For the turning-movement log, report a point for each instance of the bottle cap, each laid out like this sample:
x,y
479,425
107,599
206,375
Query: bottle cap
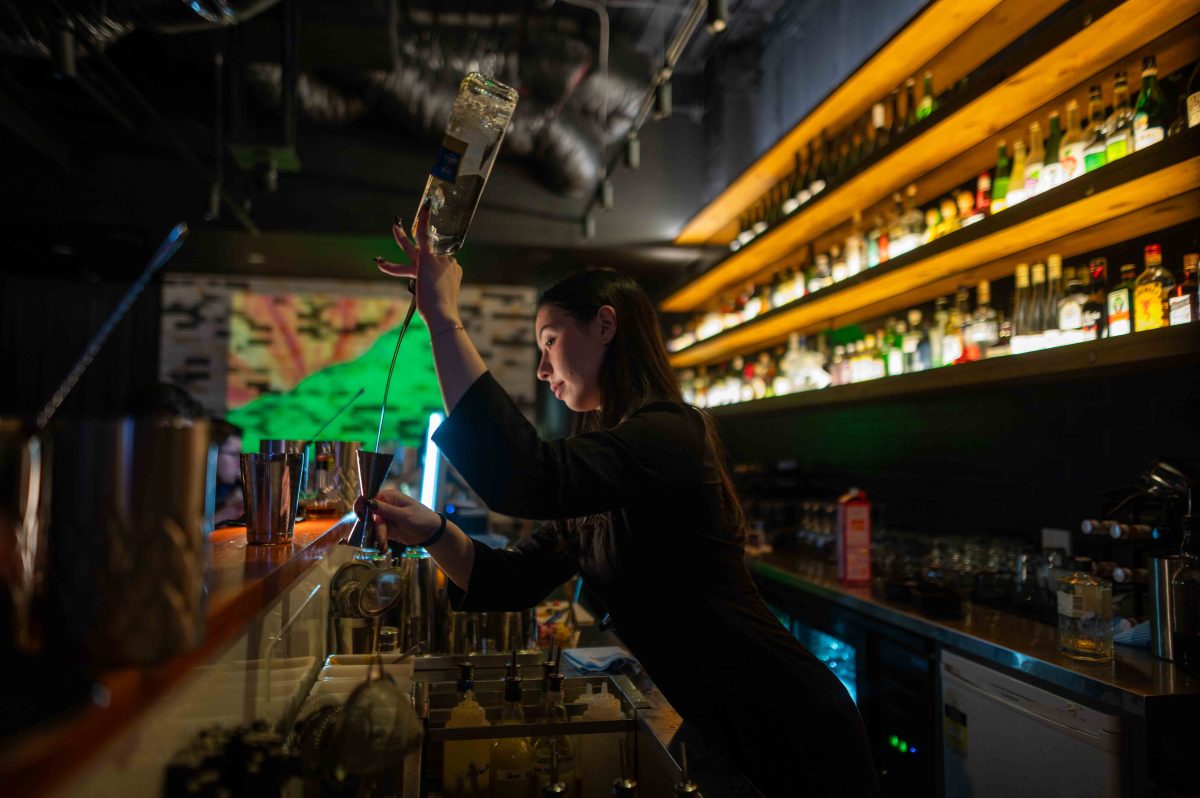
x,y
1153,251
604,706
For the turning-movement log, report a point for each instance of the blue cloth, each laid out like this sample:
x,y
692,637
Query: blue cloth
x,y
601,659
1137,636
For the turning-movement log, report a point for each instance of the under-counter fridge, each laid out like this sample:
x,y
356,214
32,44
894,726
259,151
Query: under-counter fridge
x,y
1004,737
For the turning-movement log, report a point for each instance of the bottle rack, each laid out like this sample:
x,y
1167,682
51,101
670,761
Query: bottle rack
x,y
1144,191
1149,190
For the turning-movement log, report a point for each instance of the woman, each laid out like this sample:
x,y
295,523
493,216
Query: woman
x,y
644,509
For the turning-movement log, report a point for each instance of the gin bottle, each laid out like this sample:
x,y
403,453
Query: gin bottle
x,y
1085,614
477,125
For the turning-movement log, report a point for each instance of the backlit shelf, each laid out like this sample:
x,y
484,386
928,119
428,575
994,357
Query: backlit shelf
x,y
1055,59
1148,190
1149,349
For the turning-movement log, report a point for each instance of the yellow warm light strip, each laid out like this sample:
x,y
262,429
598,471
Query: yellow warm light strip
x,y
937,26
1114,35
1173,181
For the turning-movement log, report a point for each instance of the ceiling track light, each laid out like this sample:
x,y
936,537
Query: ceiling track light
x,y
633,152
606,194
589,226
662,100
718,16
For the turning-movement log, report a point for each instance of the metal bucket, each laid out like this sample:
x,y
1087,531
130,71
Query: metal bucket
x,y
130,518
24,512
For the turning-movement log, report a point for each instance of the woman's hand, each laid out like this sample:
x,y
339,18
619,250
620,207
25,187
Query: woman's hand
x,y
400,518
438,276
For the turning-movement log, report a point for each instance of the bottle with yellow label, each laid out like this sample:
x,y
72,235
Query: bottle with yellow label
x,y
1152,292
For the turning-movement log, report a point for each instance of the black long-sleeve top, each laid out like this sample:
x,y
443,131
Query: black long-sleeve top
x,y
669,568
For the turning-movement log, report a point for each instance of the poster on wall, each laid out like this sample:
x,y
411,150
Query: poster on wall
x,y
279,357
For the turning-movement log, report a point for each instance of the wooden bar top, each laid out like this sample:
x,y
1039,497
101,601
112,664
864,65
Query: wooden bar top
x,y
243,579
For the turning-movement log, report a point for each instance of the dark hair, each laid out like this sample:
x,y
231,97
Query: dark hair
x,y
163,399
636,369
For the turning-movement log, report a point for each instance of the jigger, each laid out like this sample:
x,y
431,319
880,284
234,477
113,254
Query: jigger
x,y
373,468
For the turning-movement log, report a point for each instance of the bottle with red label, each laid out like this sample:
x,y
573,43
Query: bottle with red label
x,y
854,538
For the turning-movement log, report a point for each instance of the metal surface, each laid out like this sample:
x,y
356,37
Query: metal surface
x,y
24,512
279,446
1023,645
272,493
129,537
1162,604
373,469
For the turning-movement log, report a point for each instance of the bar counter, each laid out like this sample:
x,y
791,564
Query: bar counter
x,y
1134,677
242,580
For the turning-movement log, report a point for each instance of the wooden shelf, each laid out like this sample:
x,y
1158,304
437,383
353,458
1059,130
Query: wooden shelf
x,y
1145,191
948,37
1043,66
1154,348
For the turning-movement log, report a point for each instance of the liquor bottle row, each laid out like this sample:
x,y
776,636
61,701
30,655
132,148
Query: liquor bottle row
x,y
1052,306
1037,165
830,157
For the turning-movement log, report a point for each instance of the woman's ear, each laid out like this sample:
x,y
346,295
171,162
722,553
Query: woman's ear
x,y
606,318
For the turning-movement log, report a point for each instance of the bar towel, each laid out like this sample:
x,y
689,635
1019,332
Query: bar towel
x,y
602,659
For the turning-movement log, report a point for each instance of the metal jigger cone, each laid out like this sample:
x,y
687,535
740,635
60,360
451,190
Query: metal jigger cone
x,y
373,469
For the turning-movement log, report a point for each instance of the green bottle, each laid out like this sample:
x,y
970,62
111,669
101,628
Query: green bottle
x,y
927,105
1000,181
1150,115
1119,141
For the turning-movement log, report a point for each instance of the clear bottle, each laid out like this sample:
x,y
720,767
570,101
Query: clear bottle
x,y
1016,186
1095,150
1085,614
1119,139
937,332
547,746
511,761
459,756
892,348
1070,153
1119,302
822,274
1035,161
917,356
952,340
1152,293
1070,308
1150,115
472,140
838,269
985,322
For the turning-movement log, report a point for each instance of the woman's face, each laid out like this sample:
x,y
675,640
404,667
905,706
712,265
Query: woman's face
x,y
572,353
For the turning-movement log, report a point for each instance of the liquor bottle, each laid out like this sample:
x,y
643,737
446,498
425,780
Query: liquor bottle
x,y
458,757
554,746
1016,185
952,339
985,325
837,366
1035,160
1022,325
1037,301
781,293
1183,301
855,247
1052,170
964,201
478,121
932,228
1150,115
950,220
896,122
799,287
1054,293
792,201
1119,302
1095,151
917,356
1070,153
1119,139
912,223
821,276
879,122
1094,320
927,105
820,175
1000,181
983,196
511,765
937,332
1085,614
910,104
1152,293
893,348
838,269
1070,308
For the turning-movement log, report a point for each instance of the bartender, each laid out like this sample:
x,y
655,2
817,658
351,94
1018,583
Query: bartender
x,y
640,503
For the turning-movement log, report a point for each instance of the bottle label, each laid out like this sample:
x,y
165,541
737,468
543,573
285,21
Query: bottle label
x,y
1033,177
1183,310
1118,312
1118,147
1070,316
449,159
1193,109
1070,605
1148,307
1071,160
1090,322
1143,134
1094,159
877,113
951,349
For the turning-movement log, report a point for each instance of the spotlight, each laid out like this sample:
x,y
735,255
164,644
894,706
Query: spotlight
x,y
662,100
633,153
606,194
718,16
